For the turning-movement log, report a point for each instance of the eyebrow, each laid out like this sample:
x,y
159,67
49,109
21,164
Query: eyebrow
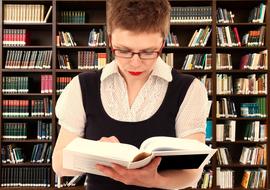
x,y
127,48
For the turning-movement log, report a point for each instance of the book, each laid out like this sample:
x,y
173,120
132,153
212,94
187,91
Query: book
x,y
75,180
83,154
47,15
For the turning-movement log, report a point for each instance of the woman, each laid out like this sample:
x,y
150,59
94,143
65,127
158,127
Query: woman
x,y
134,97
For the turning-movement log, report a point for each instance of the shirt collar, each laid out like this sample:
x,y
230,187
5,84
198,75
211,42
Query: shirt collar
x,y
161,70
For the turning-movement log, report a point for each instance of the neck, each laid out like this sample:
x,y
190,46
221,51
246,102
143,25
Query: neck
x,y
133,88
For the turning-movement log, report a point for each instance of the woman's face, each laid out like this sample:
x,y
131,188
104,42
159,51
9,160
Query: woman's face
x,y
124,43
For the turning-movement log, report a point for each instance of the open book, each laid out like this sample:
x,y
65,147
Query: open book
x,y
83,154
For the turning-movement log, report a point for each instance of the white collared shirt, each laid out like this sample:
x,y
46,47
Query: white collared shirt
x,y
191,117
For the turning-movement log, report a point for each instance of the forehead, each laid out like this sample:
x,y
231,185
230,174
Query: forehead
x,y
136,40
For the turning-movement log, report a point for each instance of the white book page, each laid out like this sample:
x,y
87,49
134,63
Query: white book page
x,y
116,151
170,144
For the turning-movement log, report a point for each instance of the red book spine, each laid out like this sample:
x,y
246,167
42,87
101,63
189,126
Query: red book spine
x,y
237,36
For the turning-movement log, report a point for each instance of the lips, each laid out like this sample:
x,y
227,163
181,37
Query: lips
x,y
135,73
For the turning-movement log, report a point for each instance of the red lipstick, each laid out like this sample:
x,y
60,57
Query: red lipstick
x,y
135,73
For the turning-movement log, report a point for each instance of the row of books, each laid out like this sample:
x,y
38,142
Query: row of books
x,y
41,153
197,61
228,37
254,155
206,180
41,108
224,178
225,108
17,131
15,37
91,60
20,108
226,131
250,61
254,61
256,15
257,109
249,156
29,13
254,37
254,178
171,40
252,84
72,16
96,39
223,156
61,83
64,62
15,84
200,37
11,154
26,13
36,59
14,131
224,16
253,131
44,130
46,84
203,14
85,60
253,109
224,84
198,14
65,39
25,177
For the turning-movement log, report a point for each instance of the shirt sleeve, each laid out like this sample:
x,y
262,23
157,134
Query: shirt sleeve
x,y
69,108
193,112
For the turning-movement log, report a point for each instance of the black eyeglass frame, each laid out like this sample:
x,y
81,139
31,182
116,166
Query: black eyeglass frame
x,y
140,54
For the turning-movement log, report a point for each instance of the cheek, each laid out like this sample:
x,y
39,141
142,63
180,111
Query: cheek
x,y
150,64
122,63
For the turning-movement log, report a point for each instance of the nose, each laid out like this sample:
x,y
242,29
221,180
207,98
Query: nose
x,y
135,60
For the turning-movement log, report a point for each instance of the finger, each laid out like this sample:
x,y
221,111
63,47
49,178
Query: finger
x,y
109,172
154,163
112,139
120,169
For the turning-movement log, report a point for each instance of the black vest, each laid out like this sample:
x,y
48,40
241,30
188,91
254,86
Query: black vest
x,y
100,124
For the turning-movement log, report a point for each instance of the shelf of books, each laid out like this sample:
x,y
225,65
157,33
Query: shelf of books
x,y
26,94
224,43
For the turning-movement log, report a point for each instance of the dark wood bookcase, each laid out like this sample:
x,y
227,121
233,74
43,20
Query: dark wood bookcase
x,y
43,37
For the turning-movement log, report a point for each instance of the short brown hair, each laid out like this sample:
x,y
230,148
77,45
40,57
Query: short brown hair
x,y
139,15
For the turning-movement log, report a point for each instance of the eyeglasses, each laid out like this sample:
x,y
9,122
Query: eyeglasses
x,y
142,55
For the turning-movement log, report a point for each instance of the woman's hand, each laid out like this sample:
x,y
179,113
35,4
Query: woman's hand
x,y
146,176
112,139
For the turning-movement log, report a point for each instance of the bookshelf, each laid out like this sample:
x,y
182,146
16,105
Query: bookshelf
x,y
42,37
